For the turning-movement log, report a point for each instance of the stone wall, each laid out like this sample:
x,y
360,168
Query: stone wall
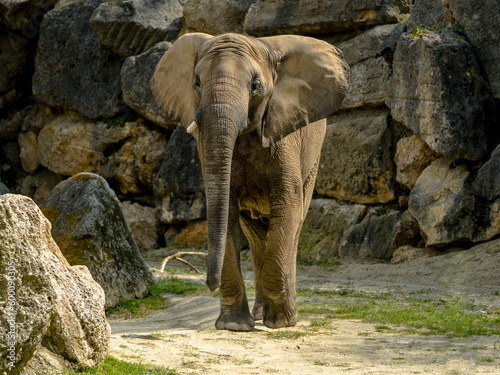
x,y
410,159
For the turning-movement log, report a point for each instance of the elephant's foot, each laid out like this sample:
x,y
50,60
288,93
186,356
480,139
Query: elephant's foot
x,y
257,310
235,319
280,316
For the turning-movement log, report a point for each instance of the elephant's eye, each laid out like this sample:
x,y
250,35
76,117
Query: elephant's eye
x,y
197,83
256,87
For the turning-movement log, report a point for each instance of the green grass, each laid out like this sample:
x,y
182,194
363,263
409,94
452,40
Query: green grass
x,y
154,299
174,285
452,318
113,366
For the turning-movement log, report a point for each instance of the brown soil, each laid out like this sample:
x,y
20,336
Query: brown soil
x,y
182,336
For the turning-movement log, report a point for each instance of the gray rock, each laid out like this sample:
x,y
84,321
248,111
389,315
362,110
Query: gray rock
x,y
179,184
487,182
90,229
429,14
482,28
409,253
11,125
378,41
39,185
216,17
3,189
73,69
131,27
487,221
17,14
135,75
411,159
137,162
144,223
379,235
356,163
28,143
129,152
14,60
321,17
442,203
324,228
72,144
367,84
434,74
58,309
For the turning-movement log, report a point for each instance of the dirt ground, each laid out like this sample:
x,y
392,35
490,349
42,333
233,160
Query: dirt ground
x,y
182,336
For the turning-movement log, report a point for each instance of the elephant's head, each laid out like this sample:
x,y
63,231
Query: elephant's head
x,y
227,85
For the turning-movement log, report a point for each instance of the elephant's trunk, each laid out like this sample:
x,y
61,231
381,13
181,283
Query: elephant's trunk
x,y
218,140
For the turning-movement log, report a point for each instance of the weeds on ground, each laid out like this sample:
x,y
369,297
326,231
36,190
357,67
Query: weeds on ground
x,y
154,298
453,318
113,366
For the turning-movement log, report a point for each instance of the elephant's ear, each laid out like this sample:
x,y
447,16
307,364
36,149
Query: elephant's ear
x,y
313,79
172,82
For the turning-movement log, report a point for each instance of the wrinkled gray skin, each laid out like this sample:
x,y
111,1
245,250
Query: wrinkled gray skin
x,y
259,106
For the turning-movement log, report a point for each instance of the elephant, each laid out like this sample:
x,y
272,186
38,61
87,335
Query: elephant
x,y
257,107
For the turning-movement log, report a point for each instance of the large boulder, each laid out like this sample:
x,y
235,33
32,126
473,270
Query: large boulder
x,y
481,25
47,307
380,234
356,163
137,162
378,41
15,65
412,157
434,74
135,75
70,144
487,182
144,223
442,203
131,27
179,184
429,14
38,185
17,14
129,152
89,227
367,83
321,17
73,69
216,17
324,228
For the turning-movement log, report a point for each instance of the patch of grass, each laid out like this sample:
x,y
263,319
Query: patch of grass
x,y
418,32
486,359
178,286
113,366
286,335
452,318
154,300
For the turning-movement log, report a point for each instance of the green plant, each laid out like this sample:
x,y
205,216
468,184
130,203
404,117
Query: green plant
x,y
418,32
154,300
113,366
458,28
453,318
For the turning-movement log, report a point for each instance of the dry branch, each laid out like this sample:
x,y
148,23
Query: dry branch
x,y
177,256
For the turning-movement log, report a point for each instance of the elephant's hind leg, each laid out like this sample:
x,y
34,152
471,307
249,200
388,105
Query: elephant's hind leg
x,y
256,233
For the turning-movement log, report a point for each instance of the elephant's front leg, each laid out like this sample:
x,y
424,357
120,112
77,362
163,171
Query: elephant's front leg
x,y
235,314
278,271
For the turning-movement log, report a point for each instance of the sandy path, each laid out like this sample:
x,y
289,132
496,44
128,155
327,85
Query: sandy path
x,y
182,336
